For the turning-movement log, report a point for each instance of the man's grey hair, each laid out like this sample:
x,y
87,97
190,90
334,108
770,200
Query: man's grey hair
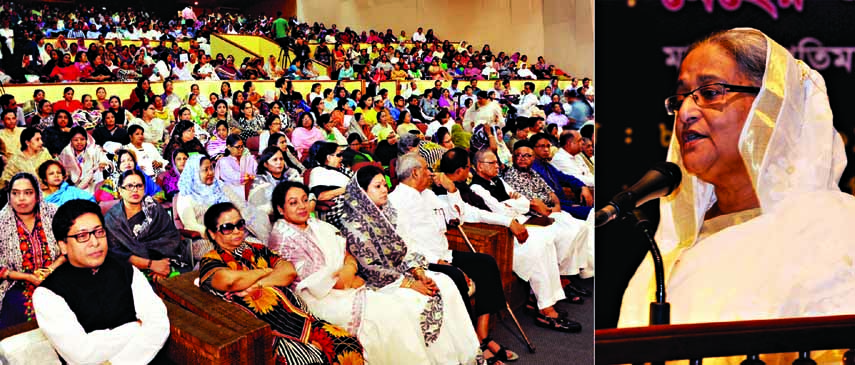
x,y
407,163
479,156
746,46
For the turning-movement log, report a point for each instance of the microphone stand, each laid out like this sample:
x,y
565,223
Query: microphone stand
x,y
660,310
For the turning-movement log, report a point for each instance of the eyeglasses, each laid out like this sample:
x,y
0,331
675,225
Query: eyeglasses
x,y
228,228
85,236
133,187
237,147
706,95
524,155
338,154
490,162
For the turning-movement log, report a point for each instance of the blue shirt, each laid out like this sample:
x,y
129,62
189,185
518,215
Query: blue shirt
x,y
557,180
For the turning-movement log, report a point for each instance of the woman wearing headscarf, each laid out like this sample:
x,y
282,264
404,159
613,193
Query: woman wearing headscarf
x,y
143,233
368,225
29,250
198,190
83,160
168,180
745,212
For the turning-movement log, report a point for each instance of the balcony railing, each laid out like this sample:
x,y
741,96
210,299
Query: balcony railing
x,y
697,341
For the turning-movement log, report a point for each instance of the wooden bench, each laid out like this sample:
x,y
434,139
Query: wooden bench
x,y
241,337
192,339
498,242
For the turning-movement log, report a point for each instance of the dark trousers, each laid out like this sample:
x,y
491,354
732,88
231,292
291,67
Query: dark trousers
x,y
482,269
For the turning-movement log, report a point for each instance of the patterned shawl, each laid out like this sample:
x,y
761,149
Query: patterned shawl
x,y
371,238
382,254
11,257
83,168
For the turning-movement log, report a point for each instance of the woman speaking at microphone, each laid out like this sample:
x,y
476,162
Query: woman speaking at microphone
x,y
744,237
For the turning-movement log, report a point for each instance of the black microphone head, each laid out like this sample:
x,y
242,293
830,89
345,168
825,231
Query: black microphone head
x,y
670,169
662,179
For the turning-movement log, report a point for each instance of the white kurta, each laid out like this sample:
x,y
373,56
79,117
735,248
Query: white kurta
x,y
386,321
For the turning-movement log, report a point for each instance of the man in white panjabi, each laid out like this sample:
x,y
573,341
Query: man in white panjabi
x,y
741,237
574,243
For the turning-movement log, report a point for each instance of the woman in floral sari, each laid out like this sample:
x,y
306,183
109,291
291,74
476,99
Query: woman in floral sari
x,y
29,251
255,278
397,310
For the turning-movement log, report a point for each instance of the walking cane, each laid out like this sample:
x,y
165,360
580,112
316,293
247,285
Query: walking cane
x,y
531,348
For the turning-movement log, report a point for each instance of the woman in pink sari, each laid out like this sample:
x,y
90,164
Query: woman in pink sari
x,y
305,135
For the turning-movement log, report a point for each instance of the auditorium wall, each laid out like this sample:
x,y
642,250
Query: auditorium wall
x,y
560,30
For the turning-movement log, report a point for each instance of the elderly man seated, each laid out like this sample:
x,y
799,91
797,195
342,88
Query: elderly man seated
x,y
96,309
535,254
575,243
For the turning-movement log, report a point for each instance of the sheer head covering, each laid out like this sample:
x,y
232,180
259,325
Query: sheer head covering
x,y
372,240
790,111
192,186
11,255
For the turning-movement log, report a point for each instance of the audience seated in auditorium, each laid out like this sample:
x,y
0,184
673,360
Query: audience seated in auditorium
x,y
153,129
557,180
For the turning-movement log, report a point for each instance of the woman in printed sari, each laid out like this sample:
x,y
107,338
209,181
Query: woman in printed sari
x,y
57,190
142,232
83,160
29,251
252,276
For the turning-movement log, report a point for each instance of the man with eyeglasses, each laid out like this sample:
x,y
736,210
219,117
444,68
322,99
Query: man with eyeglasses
x,y
528,182
558,180
547,252
95,308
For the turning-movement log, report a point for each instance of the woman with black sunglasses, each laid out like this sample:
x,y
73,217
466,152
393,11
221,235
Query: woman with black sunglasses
x,y
252,276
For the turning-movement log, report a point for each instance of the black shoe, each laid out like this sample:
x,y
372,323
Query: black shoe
x,y
558,324
573,290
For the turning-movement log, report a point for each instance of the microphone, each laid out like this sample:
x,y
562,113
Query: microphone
x,y
659,181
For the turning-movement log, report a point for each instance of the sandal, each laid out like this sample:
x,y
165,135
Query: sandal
x,y
504,354
493,360
558,324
